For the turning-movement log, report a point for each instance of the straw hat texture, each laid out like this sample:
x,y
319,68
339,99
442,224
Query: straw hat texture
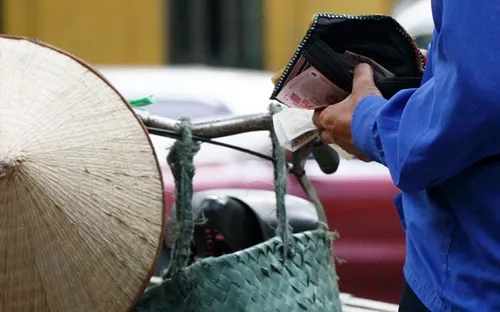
x,y
81,194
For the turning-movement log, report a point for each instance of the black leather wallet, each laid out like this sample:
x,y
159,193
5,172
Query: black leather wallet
x,y
331,38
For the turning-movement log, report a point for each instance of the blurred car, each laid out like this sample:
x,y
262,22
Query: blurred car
x,y
204,91
357,198
195,92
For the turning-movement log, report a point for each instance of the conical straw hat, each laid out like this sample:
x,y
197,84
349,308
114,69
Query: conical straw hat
x,y
81,194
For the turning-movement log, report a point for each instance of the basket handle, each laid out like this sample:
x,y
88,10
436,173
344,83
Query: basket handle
x,y
180,160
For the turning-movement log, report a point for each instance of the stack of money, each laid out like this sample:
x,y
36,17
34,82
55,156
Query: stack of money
x,y
305,90
294,128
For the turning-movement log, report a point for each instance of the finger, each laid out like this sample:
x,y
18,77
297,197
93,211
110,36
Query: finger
x,y
328,117
326,137
363,77
349,148
363,158
322,118
353,151
317,118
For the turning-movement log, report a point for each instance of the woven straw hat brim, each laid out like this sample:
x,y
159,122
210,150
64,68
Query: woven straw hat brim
x,y
81,193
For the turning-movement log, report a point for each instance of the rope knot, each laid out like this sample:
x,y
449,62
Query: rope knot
x,y
180,159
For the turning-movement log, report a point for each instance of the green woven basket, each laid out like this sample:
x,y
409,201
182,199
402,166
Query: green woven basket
x,y
290,272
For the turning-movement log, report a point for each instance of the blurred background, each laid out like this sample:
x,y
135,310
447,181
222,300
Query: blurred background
x,y
207,58
256,34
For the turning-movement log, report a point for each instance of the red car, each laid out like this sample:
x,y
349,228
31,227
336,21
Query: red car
x,y
358,203
357,198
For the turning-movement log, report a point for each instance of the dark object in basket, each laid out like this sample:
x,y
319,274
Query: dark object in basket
x,y
289,272
235,219
331,38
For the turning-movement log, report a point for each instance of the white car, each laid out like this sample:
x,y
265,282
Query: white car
x,y
199,92
417,19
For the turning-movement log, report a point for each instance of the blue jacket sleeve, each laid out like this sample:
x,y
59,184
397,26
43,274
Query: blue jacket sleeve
x,y
427,135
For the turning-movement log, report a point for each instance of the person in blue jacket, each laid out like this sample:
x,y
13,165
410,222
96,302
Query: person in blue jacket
x,y
441,143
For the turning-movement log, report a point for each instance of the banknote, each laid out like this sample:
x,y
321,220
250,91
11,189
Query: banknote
x,y
307,88
294,128
310,90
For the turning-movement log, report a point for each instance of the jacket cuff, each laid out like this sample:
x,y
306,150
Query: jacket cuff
x,y
364,127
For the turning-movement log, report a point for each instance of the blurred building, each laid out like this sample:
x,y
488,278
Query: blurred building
x,y
236,33
99,31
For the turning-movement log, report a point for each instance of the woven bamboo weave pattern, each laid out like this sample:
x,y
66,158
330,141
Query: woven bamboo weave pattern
x,y
285,274
256,279
81,196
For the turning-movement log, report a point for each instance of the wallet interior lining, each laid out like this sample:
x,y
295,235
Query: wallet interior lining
x,y
378,39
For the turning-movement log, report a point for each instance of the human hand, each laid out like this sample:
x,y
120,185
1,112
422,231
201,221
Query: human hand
x,y
334,121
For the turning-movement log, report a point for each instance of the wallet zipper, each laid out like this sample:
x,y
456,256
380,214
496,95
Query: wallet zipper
x,y
314,23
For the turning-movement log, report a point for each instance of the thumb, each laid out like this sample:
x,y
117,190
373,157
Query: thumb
x,y
363,80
